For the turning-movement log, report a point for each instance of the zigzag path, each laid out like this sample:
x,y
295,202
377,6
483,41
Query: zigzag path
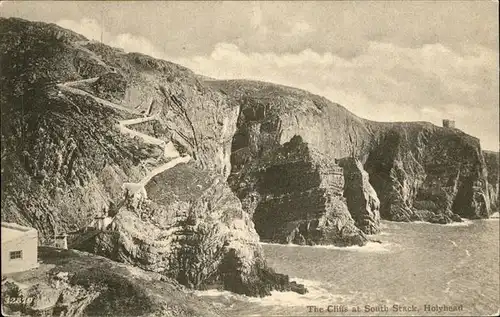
x,y
169,150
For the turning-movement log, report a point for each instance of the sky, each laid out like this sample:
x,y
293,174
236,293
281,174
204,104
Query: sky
x,y
382,60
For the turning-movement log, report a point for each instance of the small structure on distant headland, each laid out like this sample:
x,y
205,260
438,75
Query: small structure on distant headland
x,y
448,123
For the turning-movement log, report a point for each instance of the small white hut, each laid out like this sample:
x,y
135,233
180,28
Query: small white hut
x,y
19,248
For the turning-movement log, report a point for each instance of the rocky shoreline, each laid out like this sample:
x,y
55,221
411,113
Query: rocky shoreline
x,y
264,163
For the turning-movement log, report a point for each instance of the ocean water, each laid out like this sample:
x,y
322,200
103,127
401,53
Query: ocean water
x,y
420,269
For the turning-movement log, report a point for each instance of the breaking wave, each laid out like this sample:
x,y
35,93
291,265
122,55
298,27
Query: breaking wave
x,y
495,216
465,222
369,247
317,294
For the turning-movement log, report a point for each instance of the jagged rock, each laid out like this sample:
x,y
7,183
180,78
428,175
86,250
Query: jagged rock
x,y
423,172
492,165
362,199
261,281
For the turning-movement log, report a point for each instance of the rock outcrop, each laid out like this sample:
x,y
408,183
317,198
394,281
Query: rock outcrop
x,y
294,179
66,158
189,229
73,283
362,200
295,196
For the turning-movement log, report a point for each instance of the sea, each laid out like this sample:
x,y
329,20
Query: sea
x,y
419,269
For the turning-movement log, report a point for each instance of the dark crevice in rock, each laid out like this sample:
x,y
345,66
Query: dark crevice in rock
x,y
362,200
295,196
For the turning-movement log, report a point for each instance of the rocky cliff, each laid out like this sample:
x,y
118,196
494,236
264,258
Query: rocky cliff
x,y
493,163
192,229
87,128
424,172
295,196
283,162
362,200
419,171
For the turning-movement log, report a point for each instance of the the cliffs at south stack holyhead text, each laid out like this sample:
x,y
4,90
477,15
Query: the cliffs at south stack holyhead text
x,y
249,158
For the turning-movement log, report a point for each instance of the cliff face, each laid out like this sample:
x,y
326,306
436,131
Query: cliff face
x,y
419,171
428,173
87,128
293,187
362,199
492,163
189,229
58,148
295,196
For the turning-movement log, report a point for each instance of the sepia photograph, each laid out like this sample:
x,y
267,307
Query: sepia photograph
x,y
250,158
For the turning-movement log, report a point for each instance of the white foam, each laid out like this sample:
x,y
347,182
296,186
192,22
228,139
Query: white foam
x,y
465,222
311,283
386,224
369,247
448,285
492,219
453,242
316,295
467,252
214,293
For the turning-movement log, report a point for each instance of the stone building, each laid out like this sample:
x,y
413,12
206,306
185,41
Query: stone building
x,y
448,123
61,241
19,248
